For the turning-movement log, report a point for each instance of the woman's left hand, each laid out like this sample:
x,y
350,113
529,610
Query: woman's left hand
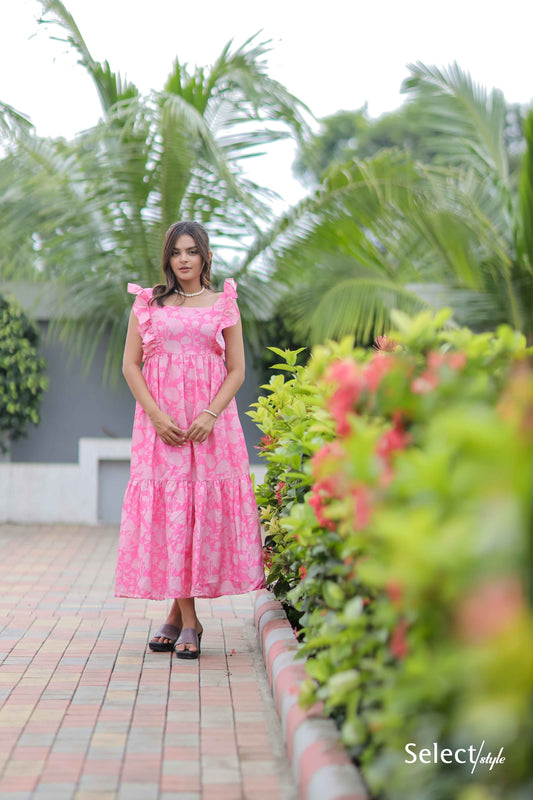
x,y
200,429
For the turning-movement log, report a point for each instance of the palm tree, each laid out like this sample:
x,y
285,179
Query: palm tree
x,y
15,256
468,125
389,231
95,209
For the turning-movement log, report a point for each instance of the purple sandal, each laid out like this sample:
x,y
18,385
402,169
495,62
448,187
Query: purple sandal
x,y
168,632
189,636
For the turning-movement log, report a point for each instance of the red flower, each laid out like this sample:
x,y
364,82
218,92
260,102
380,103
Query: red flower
x,y
391,441
398,644
436,359
268,556
386,476
279,487
362,507
395,592
382,343
316,501
457,360
376,370
265,441
397,418
329,451
346,375
322,490
490,608
344,372
329,480
303,572
328,487
430,379
425,383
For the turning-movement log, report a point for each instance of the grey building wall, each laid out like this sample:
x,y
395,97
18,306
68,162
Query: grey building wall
x,y
75,405
78,405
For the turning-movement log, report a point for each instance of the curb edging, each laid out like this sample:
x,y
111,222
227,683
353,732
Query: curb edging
x,y
318,758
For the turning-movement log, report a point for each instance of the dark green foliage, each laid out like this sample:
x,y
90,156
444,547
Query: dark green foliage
x,y
354,134
277,329
22,380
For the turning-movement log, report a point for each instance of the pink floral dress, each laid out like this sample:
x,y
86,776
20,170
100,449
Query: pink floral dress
x,y
190,526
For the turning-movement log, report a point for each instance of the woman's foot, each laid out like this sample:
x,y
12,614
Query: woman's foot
x,y
174,620
190,646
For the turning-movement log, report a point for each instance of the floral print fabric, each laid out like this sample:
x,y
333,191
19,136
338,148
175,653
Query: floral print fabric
x,y
190,526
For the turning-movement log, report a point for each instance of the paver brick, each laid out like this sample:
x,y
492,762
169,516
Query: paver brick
x,y
88,712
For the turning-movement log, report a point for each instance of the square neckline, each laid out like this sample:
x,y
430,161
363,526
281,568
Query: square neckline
x,y
194,308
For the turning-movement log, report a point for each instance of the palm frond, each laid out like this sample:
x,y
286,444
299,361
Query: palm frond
x,y
244,72
97,207
111,86
465,122
525,238
13,123
358,305
381,229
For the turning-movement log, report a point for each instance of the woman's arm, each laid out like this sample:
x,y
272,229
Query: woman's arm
x,y
202,426
164,425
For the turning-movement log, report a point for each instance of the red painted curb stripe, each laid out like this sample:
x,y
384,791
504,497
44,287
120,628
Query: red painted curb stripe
x,y
273,624
319,754
288,680
276,649
272,605
295,716
262,596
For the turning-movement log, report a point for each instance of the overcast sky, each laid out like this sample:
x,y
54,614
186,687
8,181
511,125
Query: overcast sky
x,y
331,54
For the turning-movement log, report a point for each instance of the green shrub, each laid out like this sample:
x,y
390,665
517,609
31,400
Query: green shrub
x,y
397,505
22,381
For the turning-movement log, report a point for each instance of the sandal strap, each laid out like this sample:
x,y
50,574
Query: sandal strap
x,y
167,631
188,636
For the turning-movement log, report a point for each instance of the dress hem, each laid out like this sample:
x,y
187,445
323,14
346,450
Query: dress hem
x,y
254,588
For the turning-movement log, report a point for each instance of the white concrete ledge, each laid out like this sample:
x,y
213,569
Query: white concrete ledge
x,y
58,493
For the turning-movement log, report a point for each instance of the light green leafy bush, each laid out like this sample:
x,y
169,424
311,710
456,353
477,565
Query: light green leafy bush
x,y
397,506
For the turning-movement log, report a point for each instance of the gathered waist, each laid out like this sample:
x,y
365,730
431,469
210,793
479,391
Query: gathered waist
x,y
207,354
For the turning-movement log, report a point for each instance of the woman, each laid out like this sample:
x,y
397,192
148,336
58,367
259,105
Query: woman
x,y
190,526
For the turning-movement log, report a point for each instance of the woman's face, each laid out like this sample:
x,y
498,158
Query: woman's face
x,y
186,261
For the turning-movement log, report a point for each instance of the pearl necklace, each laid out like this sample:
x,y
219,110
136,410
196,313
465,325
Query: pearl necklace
x,y
192,294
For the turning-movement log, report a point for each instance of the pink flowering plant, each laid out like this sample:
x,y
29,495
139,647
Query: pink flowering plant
x,y
397,506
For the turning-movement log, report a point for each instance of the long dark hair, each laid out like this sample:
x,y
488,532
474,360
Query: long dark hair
x,y
201,240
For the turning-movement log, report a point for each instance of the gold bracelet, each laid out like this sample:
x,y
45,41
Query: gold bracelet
x,y
210,412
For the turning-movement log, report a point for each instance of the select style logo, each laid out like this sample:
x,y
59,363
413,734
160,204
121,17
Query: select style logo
x,y
462,755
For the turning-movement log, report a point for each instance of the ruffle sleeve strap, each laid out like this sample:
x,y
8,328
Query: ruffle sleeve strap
x,y
229,311
142,310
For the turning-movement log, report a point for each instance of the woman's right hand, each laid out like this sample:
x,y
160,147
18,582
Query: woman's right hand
x,y
167,429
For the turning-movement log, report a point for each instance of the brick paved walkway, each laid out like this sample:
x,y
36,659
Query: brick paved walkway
x,y
87,712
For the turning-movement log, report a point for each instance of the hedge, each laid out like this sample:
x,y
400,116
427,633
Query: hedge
x,y
398,514
22,379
